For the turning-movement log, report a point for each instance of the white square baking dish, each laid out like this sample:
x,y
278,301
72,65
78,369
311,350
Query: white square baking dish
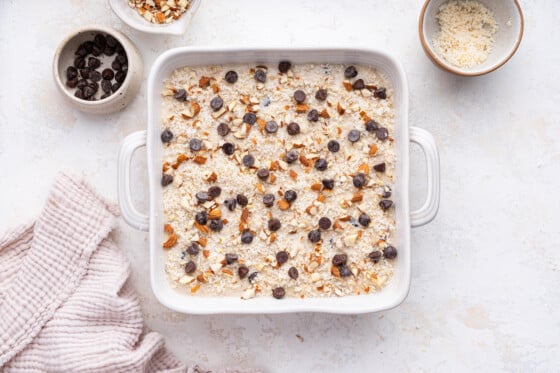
x,y
390,296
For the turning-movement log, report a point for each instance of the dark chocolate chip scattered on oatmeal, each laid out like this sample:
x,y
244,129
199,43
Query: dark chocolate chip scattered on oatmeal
x,y
313,115
358,84
231,258
321,164
214,191
321,94
223,129
216,225
228,148
278,292
390,252
260,76
231,203
250,118
268,199
290,195
359,180
252,277
372,126
195,145
242,200
166,179
293,273
350,72
300,96
281,257
242,271
382,133
328,183
216,103
190,267
263,173
375,256
380,93
364,220
386,192
193,249
274,224
292,156
314,236
353,135
231,77
293,129
324,223
248,160
339,259
380,167
333,146
344,271
284,66
202,197
166,135
385,204
201,217
180,94
271,127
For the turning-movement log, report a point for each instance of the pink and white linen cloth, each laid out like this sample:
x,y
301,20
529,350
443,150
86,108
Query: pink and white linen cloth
x,y
65,303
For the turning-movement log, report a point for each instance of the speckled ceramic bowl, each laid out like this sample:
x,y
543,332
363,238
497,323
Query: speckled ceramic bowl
x,y
65,55
509,17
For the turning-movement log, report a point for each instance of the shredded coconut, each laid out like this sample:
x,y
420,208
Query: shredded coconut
x,y
466,32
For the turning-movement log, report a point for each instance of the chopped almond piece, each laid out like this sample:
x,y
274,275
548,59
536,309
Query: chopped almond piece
x,y
321,197
373,150
283,204
195,288
293,174
202,241
336,225
165,167
260,187
199,159
324,114
227,271
341,110
304,161
171,241
202,228
272,178
302,108
316,186
347,85
335,271
206,253
195,107
212,177
215,88
214,214
167,228
204,82
364,168
345,218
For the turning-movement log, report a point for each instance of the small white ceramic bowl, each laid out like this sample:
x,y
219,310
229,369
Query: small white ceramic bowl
x,y
509,17
131,17
65,55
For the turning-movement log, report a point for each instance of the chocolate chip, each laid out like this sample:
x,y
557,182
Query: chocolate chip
x,y
281,257
231,203
115,65
260,76
278,292
111,41
115,87
242,271
193,249
100,40
95,75
214,191
385,204
180,95
321,94
166,179
324,223
333,146
292,156
386,193
274,224
359,84
71,72
84,73
120,76
223,129
216,225
375,256
82,83
364,220
121,58
231,258
350,72
263,173
344,271
359,180
108,51
166,135
293,273
252,277
390,252
242,200
202,197
228,148
248,160
216,103
93,63
382,133
88,92
380,93
299,96
195,145
379,167
268,199
339,259
106,86
314,236
290,195
293,128
190,267
201,217
250,118
81,51
94,86
321,164
372,126
79,62
271,127
353,135
313,115
284,66
328,183
72,83
96,50
79,93
231,77
247,237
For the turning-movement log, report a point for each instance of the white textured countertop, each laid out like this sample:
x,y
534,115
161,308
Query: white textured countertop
x,y
485,291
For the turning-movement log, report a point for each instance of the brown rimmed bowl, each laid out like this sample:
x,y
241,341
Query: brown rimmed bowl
x,y
509,17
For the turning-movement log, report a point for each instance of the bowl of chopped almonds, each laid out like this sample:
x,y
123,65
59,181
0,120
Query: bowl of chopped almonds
x,y
470,37
156,16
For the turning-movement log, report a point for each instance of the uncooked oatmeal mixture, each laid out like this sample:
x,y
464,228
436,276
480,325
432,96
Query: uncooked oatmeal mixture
x,y
277,180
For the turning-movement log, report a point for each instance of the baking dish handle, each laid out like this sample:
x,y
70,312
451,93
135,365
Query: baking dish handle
x,y
429,209
129,213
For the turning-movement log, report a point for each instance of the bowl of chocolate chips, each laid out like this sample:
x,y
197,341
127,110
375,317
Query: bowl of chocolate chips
x,y
98,69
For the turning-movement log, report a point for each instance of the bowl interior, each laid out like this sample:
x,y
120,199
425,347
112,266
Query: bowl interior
x,y
506,39
67,56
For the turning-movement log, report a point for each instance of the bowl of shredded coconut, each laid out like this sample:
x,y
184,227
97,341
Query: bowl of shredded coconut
x,y
470,37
